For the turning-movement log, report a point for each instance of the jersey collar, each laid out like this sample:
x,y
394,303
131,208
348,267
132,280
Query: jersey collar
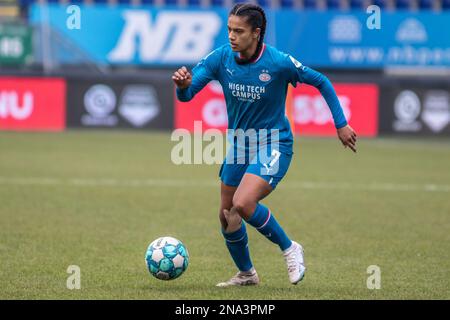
x,y
260,54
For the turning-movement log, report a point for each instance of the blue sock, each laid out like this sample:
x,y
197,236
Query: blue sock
x,y
263,220
237,244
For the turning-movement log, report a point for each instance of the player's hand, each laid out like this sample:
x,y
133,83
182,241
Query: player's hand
x,y
348,137
182,78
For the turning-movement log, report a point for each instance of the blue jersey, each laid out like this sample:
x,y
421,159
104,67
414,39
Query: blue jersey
x,y
255,93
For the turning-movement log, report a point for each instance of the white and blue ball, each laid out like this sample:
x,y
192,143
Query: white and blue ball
x,y
167,258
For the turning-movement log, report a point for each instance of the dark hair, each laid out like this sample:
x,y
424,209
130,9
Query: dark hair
x,y
256,18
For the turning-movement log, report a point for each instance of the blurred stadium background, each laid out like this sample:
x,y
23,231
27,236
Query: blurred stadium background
x,y
72,195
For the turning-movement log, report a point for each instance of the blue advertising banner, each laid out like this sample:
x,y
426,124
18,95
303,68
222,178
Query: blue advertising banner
x,y
168,36
135,35
338,39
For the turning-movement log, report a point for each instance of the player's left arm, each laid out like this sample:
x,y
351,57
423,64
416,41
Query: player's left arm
x,y
345,133
304,74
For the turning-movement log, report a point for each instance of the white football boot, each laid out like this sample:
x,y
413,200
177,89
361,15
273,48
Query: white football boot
x,y
248,278
295,262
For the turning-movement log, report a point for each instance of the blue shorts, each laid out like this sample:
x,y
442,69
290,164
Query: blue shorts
x,y
272,168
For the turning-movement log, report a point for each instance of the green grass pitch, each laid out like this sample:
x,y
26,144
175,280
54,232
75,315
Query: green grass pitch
x,y
97,199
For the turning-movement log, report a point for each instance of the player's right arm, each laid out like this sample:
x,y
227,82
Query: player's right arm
x,y
189,85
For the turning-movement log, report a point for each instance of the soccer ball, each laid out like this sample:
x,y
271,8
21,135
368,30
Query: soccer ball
x,y
167,258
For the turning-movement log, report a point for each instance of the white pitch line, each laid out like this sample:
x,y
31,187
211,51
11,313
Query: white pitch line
x,y
179,183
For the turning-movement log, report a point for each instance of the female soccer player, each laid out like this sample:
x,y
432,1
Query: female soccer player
x,y
255,77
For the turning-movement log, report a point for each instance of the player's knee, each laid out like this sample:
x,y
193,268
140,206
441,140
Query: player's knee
x,y
243,206
238,206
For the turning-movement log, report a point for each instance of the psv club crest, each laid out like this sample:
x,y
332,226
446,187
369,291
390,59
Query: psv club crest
x,y
265,76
